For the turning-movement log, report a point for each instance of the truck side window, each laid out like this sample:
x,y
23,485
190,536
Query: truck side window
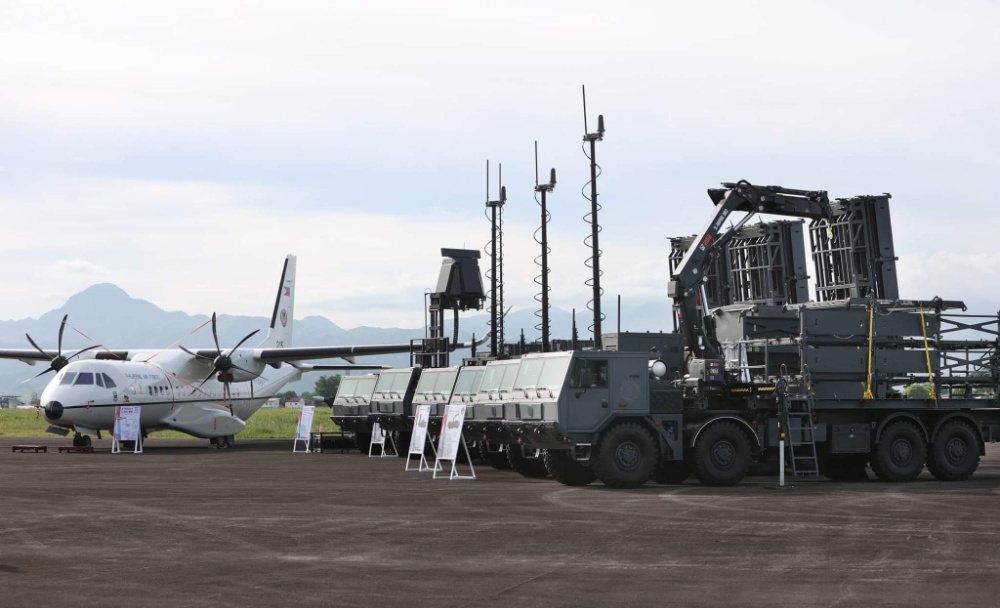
x,y
589,373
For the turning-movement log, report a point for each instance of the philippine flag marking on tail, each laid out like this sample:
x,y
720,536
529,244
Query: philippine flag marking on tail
x,y
288,291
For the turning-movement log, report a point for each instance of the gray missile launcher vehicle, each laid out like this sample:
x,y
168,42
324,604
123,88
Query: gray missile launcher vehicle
x,y
351,407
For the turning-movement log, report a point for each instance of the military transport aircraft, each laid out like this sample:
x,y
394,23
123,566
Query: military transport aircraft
x,y
172,386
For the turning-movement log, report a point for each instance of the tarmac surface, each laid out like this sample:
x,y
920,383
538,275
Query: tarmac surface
x,y
186,525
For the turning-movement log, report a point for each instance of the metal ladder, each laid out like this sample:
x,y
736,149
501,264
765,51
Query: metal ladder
x,y
801,435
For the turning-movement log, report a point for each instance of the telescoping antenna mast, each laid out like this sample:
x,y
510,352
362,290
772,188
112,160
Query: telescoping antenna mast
x,y
541,237
496,262
594,261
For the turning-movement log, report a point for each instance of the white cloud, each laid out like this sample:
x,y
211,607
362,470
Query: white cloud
x,y
182,158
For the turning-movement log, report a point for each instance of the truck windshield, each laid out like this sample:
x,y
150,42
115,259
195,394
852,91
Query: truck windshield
x,y
469,380
365,387
427,381
446,381
347,387
542,373
400,382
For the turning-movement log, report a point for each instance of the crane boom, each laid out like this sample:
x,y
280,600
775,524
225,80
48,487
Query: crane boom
x,y
687,280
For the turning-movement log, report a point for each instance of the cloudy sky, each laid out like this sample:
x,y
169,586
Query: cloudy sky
x,y
181,149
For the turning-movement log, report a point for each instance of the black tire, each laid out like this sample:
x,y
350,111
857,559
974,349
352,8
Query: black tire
x,y
519,463
403,442
219,442
362,441
86,441
494,455
954,455
626,456
844,467
900,453
230,441
721,455
566,469
672,472
77,441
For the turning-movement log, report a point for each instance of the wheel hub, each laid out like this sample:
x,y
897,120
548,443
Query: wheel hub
x,y
627,455
901,452
723,454
956,450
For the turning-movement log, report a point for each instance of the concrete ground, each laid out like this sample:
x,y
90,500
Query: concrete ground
x,y
185,525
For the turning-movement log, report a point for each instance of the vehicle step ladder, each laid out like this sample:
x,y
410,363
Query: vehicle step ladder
x,y
801,436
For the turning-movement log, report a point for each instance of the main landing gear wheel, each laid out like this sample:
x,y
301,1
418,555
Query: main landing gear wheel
x,y
626,456
519,463
230,441
81,441
566,469
721,455
954,455
900,453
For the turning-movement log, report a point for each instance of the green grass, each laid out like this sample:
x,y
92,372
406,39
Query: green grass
x,y
276,423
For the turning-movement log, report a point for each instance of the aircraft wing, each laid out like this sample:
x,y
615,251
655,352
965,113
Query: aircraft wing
x,y
28,355
305,353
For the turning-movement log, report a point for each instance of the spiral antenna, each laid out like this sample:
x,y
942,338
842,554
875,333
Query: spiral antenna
x,y
594,261
494,248
542,260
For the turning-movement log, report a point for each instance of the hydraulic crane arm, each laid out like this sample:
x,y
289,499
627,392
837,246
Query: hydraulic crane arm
x,y
686,283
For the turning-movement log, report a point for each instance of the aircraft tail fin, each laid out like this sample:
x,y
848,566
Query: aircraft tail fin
x,y
280,333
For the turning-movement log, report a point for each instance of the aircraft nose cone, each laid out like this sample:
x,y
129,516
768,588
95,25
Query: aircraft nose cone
x,y
53,410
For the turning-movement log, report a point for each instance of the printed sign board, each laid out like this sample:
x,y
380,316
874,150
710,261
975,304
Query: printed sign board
x,y
127,428
305,422
451,431
420,420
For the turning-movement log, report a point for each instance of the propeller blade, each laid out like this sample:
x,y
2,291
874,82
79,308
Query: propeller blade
x,y
249,335
194,354
47,370
83,350
62,328
246,371
215,335
210,374
37,347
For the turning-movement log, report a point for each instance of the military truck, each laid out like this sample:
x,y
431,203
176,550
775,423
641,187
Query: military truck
x,y
392,403
832,379
351,407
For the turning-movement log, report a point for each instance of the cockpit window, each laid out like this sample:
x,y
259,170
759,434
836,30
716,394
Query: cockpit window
x,y
68,378
84,378
108,382
99,379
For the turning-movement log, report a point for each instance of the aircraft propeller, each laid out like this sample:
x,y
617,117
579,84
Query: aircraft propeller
x,y
59,361
222,363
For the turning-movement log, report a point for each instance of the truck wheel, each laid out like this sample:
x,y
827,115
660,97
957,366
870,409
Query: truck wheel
x,y
494,455
955,452
672,472
362,441
519,463
722,455
626,456
567,470
899,455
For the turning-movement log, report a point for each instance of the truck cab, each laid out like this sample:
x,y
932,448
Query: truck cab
x,y
351,407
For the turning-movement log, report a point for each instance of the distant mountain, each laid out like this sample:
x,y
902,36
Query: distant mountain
x,y
111,317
